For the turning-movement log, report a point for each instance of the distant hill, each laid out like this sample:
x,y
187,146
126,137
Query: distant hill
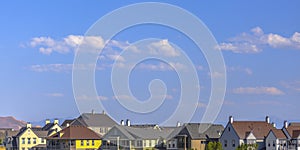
x,y
11,122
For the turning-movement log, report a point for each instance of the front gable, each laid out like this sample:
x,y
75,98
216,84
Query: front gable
x,y
115,132
28,133
251,136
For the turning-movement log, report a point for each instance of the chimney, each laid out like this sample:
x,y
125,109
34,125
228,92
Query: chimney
x,y
47,121
285,124
230,119
28,125
103,112
122,122
273,124
93,112
178,124
128,122
55,121
267,119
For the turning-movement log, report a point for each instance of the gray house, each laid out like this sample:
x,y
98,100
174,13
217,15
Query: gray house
x,y
128,137
190,136
99,123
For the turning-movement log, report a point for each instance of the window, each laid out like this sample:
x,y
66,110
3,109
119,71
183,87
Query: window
x,y
233,143
269,144
29,142
273,143
23,140
150,143
87,142
101,130
34,140
229,129
173,145
72,142
225,143
81,143
93,142
140,143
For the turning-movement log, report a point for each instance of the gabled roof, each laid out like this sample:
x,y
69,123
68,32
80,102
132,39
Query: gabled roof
x,y
76,132
260,129
48,126
133,133
94,120
292,129
295,134
23,129
279,134
68,121
212,131
41,134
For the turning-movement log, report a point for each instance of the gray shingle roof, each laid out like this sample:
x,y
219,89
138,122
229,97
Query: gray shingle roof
x,y
94,120
133,133
212,131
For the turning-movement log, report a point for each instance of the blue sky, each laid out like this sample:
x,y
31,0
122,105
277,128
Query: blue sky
x,y
259,40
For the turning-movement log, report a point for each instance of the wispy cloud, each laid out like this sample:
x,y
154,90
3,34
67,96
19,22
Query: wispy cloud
x,y
292,85
255,40
55,94
64,67
258,90
266,102
87,98
128,97
245,70
201,105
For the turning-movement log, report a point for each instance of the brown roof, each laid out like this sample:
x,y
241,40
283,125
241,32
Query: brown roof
x,y
260,129
279,133
293,127
76,132
295,134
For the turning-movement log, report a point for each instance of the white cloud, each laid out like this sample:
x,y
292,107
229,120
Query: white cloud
x,y
116,57
256,40
163,47
47,45
128,97
293,85
258,90
51,68
64,67
55,94
161,66
87,98
247,71
201,105
215,74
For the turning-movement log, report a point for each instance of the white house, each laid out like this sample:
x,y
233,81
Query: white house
x,y
292,131
276,140
237,133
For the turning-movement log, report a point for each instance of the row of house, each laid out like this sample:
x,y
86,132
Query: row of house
x,y
99,131
262,135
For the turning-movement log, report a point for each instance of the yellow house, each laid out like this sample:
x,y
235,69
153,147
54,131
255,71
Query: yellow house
x,y
52,128
75,138
31,138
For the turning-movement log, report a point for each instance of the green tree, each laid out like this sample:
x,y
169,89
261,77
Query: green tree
x,y
248,147
214,146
